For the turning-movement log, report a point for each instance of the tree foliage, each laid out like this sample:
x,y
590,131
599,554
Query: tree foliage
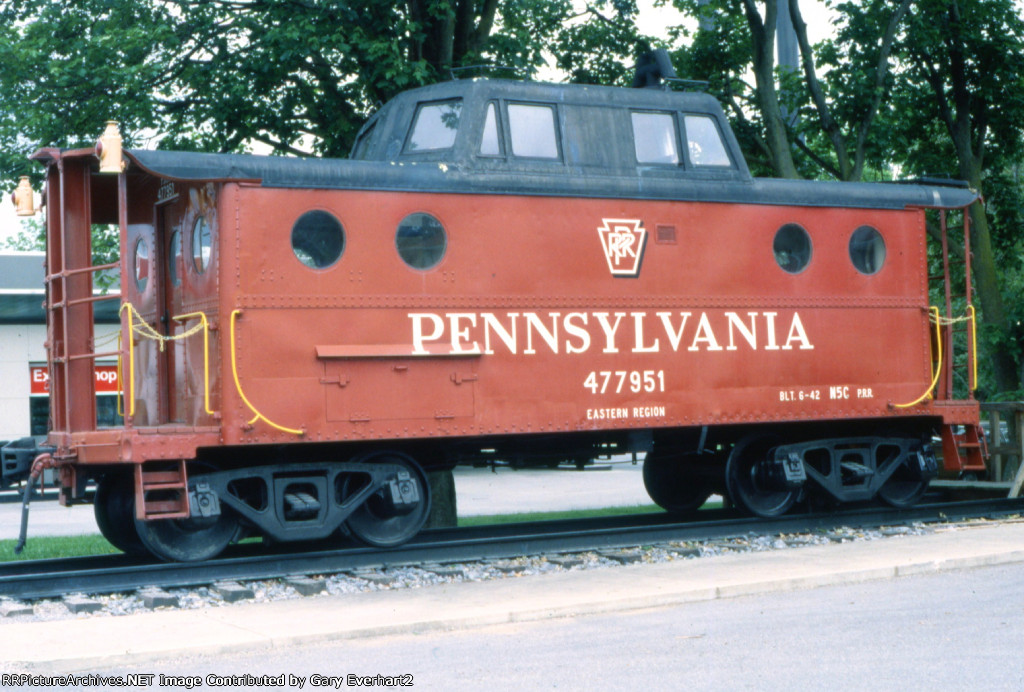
x,y
917,86
597,45
70,66
838,95
298,76
301,77
965,79
926,87
847,104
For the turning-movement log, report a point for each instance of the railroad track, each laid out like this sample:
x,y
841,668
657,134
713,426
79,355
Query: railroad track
x,y
40,579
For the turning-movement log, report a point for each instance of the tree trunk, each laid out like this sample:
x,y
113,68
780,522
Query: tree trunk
x,y
968,131
443,506
990,297
762,32
983,266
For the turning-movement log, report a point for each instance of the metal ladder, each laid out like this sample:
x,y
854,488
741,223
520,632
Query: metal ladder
x,y
70,299
161,490
963,446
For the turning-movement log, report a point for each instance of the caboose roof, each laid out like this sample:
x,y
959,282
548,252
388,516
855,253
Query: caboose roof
x,y
596,155
288,172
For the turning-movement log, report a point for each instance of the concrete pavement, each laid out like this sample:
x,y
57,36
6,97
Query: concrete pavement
x,y
98,643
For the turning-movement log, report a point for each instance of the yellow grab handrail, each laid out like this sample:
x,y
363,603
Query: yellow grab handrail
x,y
238,386
147,332
120,378
934,312
206,355
973,384
131,358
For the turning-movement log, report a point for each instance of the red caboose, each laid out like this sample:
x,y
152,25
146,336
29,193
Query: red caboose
x,y
526,271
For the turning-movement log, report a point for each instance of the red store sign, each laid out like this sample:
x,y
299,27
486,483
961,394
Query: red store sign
x,y
106,379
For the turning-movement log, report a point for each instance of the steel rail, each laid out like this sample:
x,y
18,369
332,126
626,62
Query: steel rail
x,y
119,573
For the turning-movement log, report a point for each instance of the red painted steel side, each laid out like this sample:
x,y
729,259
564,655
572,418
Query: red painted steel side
x,y
712,325
522,327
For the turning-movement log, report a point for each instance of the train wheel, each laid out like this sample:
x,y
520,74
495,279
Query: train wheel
x,y
673,484
377,521
902,490
745,481
114,507
188,540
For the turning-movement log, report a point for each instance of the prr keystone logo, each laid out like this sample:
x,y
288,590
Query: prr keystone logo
x,y
623,241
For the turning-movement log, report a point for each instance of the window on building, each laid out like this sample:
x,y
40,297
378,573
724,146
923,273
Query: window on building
x,y
654,138
141,265
201,244
107,395
421,241
490,143
362,145
792,247
434,126
867,250
318,239
704,142
175,266
39,415
532,131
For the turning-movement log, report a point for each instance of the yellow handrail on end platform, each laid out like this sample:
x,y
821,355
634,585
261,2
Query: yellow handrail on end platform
x,y
934,311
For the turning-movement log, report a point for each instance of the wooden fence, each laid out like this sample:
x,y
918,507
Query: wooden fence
x,y
1005,433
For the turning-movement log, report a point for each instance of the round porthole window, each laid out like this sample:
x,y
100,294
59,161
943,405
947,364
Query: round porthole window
x,y
792,248
201,246
421,241
141,264
318,239
867,250
174,266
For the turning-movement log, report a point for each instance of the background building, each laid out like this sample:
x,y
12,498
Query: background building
x,y
24,394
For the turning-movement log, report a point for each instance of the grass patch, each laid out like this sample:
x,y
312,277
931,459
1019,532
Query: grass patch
x,y
46,547
488,519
